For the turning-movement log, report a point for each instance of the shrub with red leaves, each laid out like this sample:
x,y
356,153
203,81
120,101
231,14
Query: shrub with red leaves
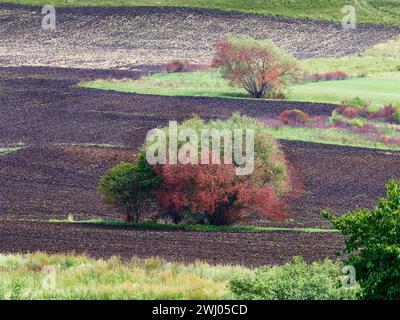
x,y
277,95
350,112
294,117
259,67
214,194
182,66
329,76
386,114
368,128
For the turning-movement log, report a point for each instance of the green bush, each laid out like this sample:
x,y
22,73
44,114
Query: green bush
x,y
357,103
373,244
293,281
128,185
378,272
396,117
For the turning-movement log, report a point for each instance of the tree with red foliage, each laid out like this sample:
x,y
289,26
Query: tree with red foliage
x,y
213,193
260,67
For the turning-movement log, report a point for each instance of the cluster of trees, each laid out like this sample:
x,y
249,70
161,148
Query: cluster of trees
x,y
203,193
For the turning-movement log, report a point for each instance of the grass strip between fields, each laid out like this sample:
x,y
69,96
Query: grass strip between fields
x,y
190,227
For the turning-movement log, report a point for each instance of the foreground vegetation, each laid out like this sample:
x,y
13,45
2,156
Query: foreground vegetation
x,y
373,245
43,276
385,12
371,260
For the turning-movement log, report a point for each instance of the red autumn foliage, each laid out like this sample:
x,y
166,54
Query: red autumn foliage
x,y
259,67
329,76
214,193
182,66
294,117
350,112
385,114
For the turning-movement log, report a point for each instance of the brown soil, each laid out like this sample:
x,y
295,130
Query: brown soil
x,y
57,174
249,248
126,37
64,128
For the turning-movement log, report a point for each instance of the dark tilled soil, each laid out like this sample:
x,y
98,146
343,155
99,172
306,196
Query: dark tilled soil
x,y
125,37
250,248
58,173
43,105
73,135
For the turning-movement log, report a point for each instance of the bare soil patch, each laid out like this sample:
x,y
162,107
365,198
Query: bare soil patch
x,y
64,128
249,248
126,37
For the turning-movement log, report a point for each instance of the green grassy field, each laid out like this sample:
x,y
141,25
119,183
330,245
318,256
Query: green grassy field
x,y
40,276
371,11
378,89
329,136
43,276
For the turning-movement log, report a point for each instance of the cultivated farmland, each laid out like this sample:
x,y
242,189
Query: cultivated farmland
x,y
60,131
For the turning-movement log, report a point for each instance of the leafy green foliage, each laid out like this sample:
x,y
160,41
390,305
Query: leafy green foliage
x,y
373,244
128,185
293,281
396,117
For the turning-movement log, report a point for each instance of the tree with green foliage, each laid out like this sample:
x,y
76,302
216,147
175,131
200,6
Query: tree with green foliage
x,y
373,244
128,185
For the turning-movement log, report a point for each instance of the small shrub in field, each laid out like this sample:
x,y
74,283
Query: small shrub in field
x,y
277,95
368,128
396,117
373,244
385,114
336,75
294,280
356,102
356,122
182,66
127,186
294,117
259,67
329,76
350,112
